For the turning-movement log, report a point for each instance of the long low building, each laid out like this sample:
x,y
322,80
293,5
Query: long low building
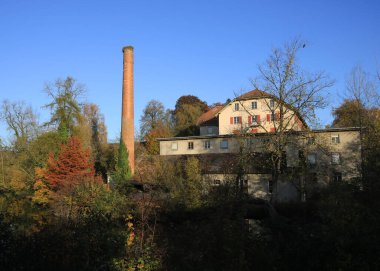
x,y
311,159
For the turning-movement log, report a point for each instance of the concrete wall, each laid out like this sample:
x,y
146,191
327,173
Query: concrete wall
x,y
318,143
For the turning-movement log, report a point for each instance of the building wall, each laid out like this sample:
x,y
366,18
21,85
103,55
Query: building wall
x,y
227,115
208,130
319,144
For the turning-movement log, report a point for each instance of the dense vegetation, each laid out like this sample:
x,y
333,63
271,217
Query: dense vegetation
x,y
58,212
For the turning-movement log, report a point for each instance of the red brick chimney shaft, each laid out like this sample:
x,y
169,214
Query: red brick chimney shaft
x,y
127,114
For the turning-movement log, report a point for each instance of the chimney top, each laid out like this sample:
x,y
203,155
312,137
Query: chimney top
x,y
129,47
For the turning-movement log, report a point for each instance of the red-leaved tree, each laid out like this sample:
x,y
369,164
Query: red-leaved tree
x,y
72,166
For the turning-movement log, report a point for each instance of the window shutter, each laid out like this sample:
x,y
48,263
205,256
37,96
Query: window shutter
x,y
277,116
272,130
249,119
268,117
239,119
258,118
231,120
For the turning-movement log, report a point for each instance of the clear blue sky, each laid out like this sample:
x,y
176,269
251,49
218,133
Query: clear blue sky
x,y
205,48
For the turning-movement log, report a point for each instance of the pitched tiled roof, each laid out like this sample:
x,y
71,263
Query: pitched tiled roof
x,y
256,93
209,115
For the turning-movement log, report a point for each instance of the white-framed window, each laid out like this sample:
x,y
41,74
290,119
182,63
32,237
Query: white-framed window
x,y
190,145
236,106
174,146
255,119
224,144
207,144
312,159
236,120
335,158
335,139
254,105
271,103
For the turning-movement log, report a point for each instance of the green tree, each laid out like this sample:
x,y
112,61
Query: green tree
x,y
187,111
153,115
65,108
122,173
94,131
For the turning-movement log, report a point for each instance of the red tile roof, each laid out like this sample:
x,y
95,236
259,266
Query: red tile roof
x,y
256,93
209,115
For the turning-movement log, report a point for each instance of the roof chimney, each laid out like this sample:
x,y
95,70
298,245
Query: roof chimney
x,y
127,114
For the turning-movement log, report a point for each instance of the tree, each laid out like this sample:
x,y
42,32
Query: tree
x,y
154,123
72,166
361,109
153,115
187,111
296,94
122,173
93,123
65,108
21,120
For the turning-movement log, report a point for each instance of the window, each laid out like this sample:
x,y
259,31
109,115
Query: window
x,y
209,130
207,144
337,176
335,139
224,144
174,146
271,103
190,145
255,119
310,140
270,186
273,117
335,158
237,120
237,107
216,182
312,159
254,105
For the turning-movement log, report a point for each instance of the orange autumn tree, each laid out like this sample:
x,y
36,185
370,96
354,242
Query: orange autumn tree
x,y
72,166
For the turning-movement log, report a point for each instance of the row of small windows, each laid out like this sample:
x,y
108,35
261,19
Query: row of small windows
x,y
206,145
253,105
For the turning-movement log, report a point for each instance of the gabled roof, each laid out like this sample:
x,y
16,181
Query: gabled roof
x,y
259,94
209,115
253,94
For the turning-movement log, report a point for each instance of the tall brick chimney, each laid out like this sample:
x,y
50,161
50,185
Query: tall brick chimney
x,y
127,114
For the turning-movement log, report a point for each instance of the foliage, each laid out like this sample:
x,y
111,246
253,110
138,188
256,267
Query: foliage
x,y
187,111
21,120
122,173
65,109
93,130
72,165
153,115
137,256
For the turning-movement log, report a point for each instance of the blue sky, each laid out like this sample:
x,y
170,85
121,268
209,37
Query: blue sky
x,y
205,48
